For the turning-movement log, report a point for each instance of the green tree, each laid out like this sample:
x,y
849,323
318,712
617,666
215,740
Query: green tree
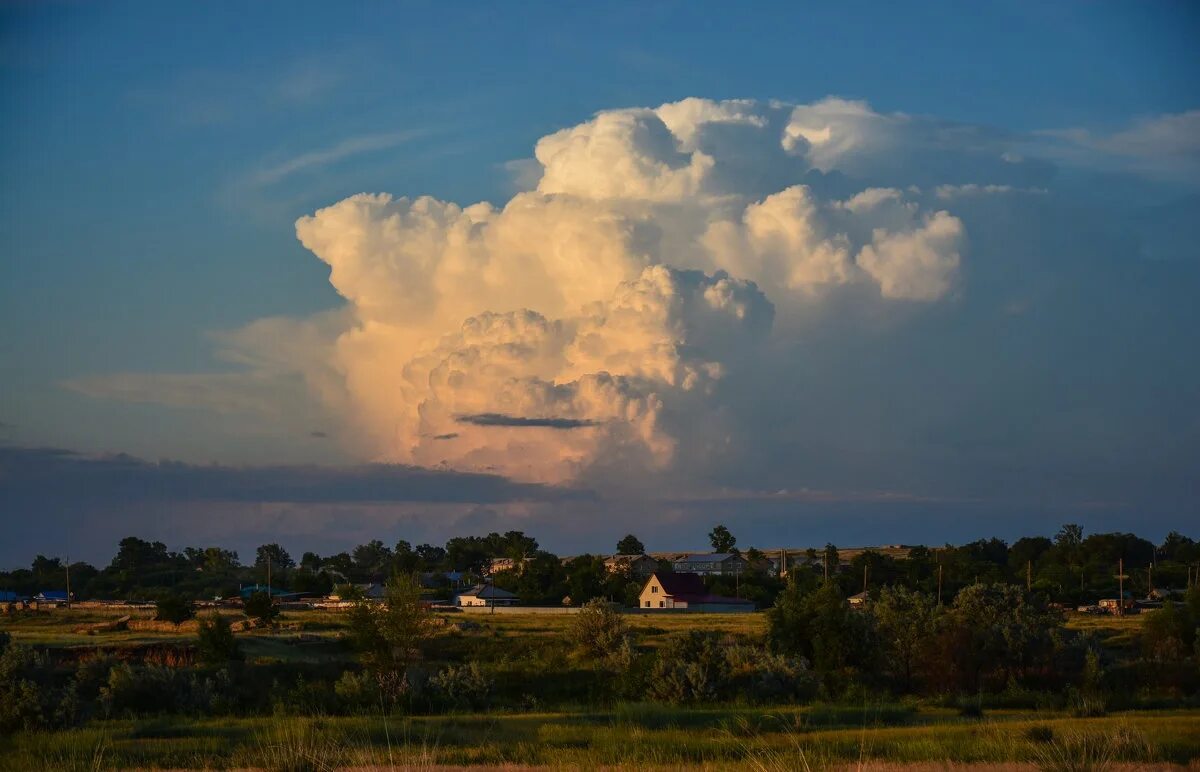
x,y
905,621
388,633
215,642
174,608
630,545
279,558
721,539
372,559
261,606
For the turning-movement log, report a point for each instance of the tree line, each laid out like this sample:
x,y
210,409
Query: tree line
x,y
1069,568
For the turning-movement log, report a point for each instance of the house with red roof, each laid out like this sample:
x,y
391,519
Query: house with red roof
x,y
685,592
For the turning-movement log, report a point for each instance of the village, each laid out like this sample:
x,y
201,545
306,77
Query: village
x,y
665,582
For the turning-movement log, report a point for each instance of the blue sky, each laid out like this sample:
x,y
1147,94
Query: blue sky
x,y
155,158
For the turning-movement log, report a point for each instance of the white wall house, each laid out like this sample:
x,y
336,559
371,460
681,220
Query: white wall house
x,y
485,595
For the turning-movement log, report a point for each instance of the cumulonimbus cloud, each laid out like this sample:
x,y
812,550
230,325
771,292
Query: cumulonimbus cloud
x,y
614,299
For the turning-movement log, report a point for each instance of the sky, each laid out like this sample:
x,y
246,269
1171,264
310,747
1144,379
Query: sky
x,y
318,273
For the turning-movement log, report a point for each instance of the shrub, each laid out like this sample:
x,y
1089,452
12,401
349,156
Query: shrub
x,y
688,669
24,705
598,629
215,644
463,687
173,608
150,689
260,606
761,676
388,632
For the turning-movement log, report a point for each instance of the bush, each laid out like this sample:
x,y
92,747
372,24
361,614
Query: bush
x,y
463,687
260,606
760,676
598,629
215,644
151,689
1039,733
24,705
173,608
690,668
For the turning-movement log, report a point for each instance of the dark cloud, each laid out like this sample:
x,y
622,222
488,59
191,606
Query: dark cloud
x,y
449,436
499,419
55,474
318,435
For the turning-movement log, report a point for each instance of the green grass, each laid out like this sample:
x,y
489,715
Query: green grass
x,y
630,737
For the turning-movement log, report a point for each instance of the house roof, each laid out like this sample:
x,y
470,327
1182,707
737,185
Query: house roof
x,y
690,589
706,557
488,591
52,595
681,584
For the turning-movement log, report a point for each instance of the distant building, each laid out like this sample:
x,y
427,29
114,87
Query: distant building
x,y
274,592
685,591
485,595
858,600
709,564
637,566
501,564
54,597
1113,605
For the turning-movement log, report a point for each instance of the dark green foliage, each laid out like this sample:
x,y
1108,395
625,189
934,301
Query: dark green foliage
x,y
721,539
388,632
215,642
690,668
261,606
630,545
598,629
173,608
461,688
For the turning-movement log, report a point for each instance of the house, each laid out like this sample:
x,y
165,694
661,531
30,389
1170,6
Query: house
x,y
636,566
685,591
501,564
51,596
7,596
858,600
1113,605
709,563
485,595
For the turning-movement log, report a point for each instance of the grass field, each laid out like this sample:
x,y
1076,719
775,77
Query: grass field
x,y
630,737
626,736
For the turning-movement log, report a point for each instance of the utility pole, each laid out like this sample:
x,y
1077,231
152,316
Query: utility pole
x,y
1121,587
1149,580
68,581
268,576
864,578
939,584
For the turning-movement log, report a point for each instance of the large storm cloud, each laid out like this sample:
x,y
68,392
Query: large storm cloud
x,y
702,291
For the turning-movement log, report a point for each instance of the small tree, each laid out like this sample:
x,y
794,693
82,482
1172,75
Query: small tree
x,y
260,606
630,545
722,540
388,632
173,608
215,644
598,629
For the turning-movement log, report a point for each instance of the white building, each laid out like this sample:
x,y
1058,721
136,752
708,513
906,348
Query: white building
x,y
485,595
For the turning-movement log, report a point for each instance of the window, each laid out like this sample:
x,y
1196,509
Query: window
x,y
660,604
647,604
654,589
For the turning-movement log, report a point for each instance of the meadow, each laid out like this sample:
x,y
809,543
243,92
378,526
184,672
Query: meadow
x,y
553,732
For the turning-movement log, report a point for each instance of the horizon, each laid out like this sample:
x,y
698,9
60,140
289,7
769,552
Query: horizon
x,y
409,272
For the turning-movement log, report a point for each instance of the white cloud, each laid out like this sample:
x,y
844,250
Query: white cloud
x,y
595,319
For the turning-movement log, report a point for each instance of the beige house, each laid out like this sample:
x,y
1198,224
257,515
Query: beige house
x,y
485,595
670,591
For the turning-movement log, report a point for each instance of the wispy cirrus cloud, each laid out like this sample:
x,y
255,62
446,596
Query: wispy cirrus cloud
x,y
322,157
